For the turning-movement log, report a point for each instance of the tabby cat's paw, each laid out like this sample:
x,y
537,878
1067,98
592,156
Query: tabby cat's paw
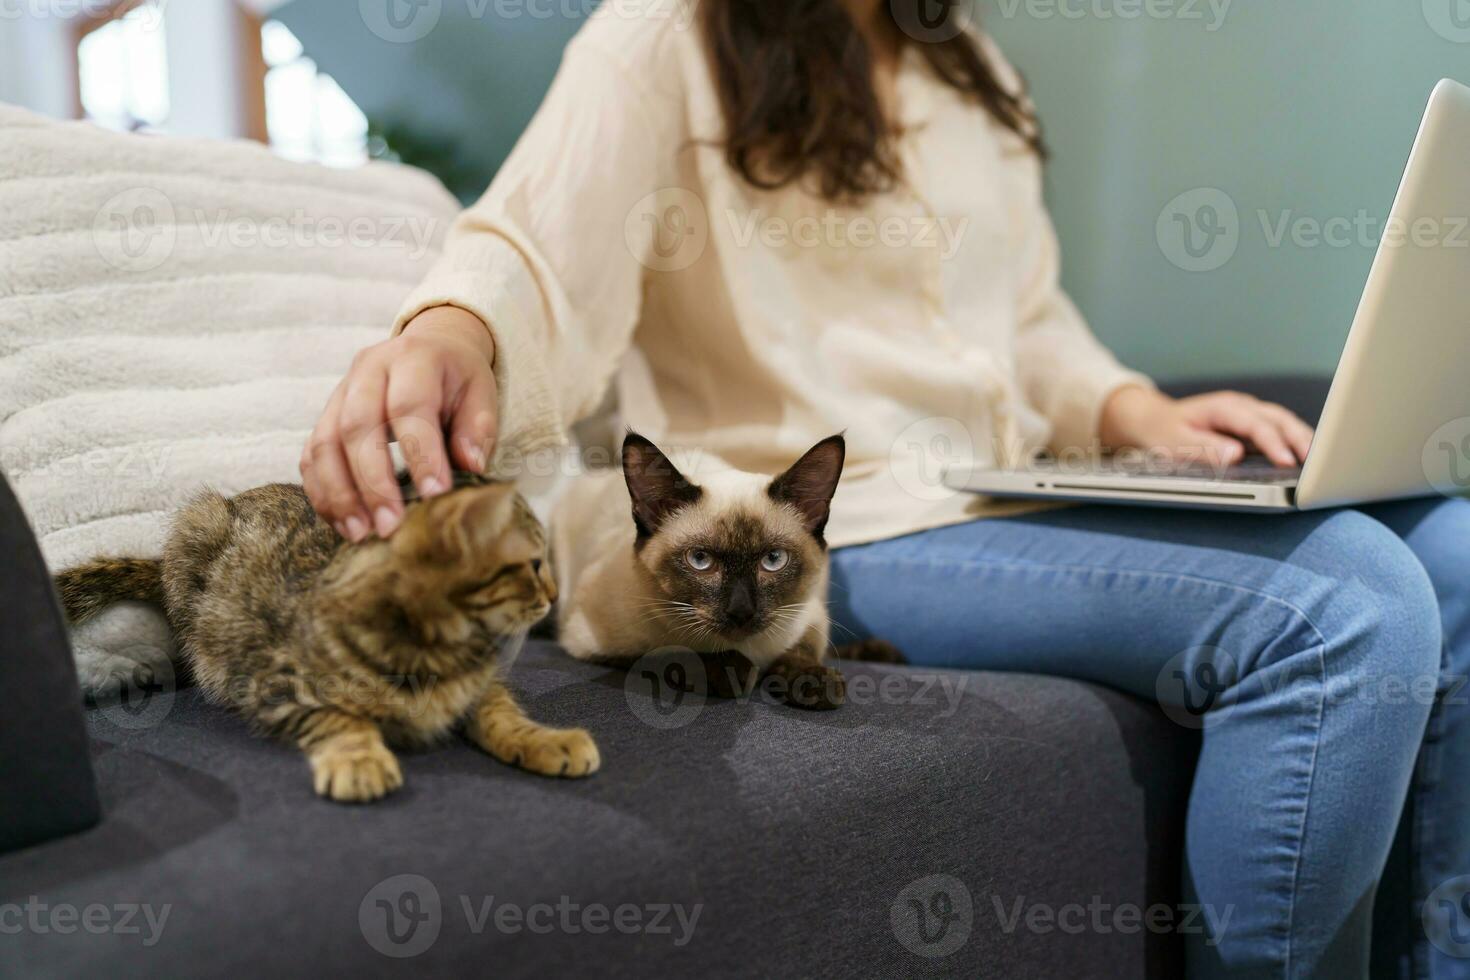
x,y
568,752
358,775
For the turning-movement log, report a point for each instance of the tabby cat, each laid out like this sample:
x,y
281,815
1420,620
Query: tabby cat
x,y
342,648
734,569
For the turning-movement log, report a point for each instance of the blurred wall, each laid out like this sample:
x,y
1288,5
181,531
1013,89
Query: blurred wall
x,y
35,65
468,73
1258,128
1301,112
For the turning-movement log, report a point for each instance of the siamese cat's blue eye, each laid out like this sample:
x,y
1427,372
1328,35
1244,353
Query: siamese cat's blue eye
x,y
699,559
775,560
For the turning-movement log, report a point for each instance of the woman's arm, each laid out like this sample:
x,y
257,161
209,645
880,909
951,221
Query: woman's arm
x,y
1092,400
517,330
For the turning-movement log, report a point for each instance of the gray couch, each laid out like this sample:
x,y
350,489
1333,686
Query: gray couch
x,y
941,824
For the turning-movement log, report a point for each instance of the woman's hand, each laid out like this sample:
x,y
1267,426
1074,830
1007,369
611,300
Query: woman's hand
x,y
433,377
1217,425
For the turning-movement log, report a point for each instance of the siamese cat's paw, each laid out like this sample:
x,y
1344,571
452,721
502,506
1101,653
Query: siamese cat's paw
x,y
872,651
728,674
807,684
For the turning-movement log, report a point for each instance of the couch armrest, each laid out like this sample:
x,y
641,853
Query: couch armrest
x,y
46,776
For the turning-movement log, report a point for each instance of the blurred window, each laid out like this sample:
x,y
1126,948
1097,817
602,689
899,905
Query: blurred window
x,y
122,70
308,115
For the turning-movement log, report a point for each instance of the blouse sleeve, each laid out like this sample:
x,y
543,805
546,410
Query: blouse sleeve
x,y
549,257
1065,373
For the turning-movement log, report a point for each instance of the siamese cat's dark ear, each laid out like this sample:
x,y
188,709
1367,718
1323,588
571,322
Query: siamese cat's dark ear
x,y
656,486
811,481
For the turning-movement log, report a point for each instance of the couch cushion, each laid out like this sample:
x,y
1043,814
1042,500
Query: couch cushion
x,y
174,313
799,840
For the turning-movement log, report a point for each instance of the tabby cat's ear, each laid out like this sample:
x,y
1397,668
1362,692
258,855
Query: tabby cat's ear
x,y
481,518
657,488
810,483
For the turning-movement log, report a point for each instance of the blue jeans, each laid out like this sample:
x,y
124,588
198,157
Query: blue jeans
x,y
1322,657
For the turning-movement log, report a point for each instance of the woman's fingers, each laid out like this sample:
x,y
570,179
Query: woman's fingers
x,y
1219,450
326,478
1244,416
332,475
472,428
1269,439
1298,434
405,389
415,397
364,435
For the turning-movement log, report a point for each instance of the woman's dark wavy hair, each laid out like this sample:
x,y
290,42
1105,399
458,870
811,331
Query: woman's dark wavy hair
x,y
795,83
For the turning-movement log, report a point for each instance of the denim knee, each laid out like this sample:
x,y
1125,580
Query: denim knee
x,y
1379,618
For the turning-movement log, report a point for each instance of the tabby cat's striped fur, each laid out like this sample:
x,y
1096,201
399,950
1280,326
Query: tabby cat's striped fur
x,y
344,649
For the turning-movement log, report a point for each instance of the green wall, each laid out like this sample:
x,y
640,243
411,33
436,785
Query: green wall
x,y
1296,109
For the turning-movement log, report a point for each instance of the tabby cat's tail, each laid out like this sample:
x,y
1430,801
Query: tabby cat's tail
x,y
88,589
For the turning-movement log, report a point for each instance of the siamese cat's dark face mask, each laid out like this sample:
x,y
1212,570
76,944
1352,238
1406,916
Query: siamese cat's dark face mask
x,y
738,559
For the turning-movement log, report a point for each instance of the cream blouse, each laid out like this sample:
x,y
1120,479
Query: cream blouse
x,y
740,326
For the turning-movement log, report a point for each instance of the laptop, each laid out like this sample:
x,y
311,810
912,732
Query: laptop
x,y
1396,422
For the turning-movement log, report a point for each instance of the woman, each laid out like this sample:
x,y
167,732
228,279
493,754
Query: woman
x,y
803,217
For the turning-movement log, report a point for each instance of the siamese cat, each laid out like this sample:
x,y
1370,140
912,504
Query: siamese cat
x,y
734,569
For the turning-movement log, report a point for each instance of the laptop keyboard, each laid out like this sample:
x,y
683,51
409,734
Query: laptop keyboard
x,y
1251,469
